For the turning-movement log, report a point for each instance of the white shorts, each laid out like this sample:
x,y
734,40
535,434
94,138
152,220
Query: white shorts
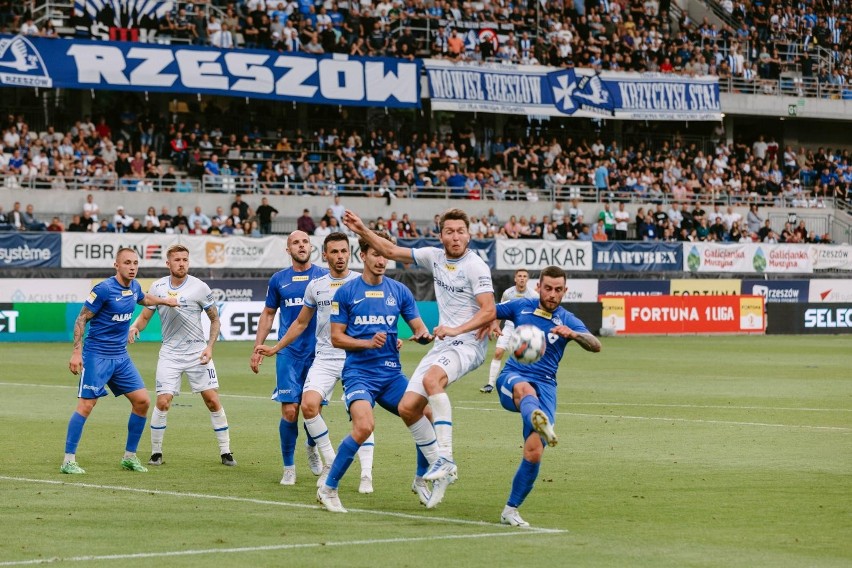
x,y
323,375
456,357
201,377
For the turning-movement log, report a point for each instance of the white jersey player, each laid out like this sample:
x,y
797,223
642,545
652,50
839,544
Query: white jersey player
x,y
465,296
519,290
328,362
186,350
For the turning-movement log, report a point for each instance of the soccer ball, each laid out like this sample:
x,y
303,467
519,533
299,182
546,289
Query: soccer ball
x,y
528,344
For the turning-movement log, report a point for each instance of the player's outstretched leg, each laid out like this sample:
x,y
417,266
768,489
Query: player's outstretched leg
x,y
287,432
327,494
442,417
493,372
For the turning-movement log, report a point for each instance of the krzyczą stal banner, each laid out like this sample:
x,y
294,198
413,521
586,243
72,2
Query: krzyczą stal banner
x,y
536,90
683,314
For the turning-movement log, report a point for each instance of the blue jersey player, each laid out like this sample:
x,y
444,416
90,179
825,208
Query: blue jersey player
x,y
531,389
103,360
364,319
285,294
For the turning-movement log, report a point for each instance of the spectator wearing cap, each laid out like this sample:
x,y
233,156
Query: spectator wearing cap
x,y
121,221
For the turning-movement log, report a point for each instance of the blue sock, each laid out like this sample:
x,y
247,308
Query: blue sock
x,y
289,433
75,432
345,454
135,427
311,441
523,482
422,462
528,404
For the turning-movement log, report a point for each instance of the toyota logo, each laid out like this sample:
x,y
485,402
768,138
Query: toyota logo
x,y
218,295
513,255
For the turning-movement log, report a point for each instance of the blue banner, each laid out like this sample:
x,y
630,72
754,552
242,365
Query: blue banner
x,y
485,248
127,66
778,291
634,288
535,90
637,257
30,250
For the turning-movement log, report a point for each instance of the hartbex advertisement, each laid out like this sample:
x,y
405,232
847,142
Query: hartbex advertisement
x,y
684,314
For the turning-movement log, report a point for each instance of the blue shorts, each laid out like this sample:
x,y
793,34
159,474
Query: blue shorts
x,y
120,375
387,391
290,375
546,392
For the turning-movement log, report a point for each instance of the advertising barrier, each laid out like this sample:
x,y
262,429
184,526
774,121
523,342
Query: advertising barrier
x,y
808,318
31,250
825,290
634,288
536,254
684,314
777,291
749,257
638,257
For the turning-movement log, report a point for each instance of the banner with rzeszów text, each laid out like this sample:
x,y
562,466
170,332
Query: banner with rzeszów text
x,y
336,79
30,250
777,291
537,254
637,257
535,90
684,314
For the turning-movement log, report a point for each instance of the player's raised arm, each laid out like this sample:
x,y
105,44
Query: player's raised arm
x,y
75,365
139,325
264,326
385,248
293,332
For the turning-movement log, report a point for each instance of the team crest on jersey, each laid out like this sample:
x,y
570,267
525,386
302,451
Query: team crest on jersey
x,y
552,338
391,301
556,320
300,278
374,294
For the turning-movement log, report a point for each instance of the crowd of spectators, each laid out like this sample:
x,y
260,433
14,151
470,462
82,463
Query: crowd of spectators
x,y
760,40
127,155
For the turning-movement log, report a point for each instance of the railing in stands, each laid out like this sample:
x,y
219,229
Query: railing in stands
x,y
786,87
105,183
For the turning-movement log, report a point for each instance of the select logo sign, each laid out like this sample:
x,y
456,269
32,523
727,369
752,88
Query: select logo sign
x,y
828,318
809,318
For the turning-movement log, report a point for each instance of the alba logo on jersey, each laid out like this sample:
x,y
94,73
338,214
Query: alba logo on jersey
x,y
375,320
122,317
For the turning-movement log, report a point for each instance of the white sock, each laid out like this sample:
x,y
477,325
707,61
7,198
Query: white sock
x,y
442,419
158,430
365,456
129,454
424,436
493,371
318,430
220,428
70,458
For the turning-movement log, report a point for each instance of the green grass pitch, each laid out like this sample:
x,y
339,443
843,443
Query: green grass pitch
x,y
674,451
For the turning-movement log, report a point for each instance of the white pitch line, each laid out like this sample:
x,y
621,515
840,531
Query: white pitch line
x,y
656,405
664,419
138,555
634,404
695,420
233,498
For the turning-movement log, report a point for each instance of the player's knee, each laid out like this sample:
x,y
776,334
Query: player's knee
x,y
85,406
409,412
290,412
309,410
362,430
534,454
141,406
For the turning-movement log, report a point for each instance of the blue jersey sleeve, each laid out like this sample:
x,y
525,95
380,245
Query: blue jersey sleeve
x,y
97,297
137,291
573,322
340,305
505,310
273,299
